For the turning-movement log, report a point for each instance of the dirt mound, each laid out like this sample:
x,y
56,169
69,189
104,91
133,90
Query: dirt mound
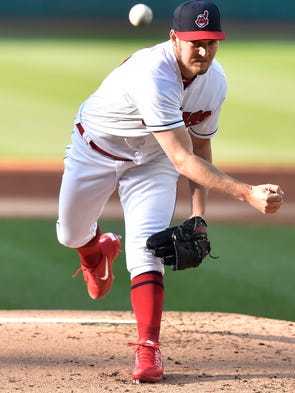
x,y
77,351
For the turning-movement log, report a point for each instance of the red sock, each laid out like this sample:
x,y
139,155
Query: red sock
x,y
147,296
89,253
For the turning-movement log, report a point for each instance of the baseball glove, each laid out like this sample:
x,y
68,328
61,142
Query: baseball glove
x,y
182,246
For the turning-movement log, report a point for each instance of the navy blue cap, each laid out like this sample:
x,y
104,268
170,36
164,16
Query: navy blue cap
x,y
197,20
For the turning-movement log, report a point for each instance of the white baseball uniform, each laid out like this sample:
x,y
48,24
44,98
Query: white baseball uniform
x,y
145,94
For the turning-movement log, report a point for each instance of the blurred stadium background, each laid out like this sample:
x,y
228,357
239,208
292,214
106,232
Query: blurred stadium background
x,y
240,283
93,16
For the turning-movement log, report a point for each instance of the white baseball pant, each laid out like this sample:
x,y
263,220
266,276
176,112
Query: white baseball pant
x,y
147,195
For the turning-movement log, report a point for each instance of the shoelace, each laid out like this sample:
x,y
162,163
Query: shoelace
x,y
80,270
146,344
77,272
144,355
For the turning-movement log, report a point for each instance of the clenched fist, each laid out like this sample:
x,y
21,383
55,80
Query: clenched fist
x,y
267,198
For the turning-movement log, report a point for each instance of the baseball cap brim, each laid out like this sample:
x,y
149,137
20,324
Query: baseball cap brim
x,y
200,35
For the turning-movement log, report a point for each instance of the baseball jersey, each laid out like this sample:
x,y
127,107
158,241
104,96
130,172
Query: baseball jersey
x,y
146,94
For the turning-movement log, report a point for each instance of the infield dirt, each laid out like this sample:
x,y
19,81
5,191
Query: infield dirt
x,y
202,352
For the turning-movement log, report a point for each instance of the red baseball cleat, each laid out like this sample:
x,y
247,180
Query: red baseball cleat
x,y
148,363
99,279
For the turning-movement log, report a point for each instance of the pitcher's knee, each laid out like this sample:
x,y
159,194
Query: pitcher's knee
x,y
67,241
69,238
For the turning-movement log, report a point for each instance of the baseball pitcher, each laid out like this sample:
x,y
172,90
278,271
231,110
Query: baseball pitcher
x,y
151,119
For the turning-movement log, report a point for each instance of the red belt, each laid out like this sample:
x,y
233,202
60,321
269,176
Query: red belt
x,y
97,148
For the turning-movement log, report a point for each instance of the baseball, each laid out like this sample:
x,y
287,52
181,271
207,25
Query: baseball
x,y
140,15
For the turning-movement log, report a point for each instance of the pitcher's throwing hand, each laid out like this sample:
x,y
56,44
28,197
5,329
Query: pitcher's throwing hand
x,y
268,198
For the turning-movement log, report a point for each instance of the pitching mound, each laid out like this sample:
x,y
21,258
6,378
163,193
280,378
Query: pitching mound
x,y
77,351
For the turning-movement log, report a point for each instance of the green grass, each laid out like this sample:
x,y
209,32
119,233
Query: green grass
x,y
258,117
44,82
254,274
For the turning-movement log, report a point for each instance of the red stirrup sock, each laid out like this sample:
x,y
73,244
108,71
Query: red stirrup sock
x,y
147,296
89,253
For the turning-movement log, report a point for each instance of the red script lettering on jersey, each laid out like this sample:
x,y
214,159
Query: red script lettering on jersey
x,y
193,118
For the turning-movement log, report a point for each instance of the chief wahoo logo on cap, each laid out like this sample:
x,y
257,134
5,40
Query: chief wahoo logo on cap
x,y
202,20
